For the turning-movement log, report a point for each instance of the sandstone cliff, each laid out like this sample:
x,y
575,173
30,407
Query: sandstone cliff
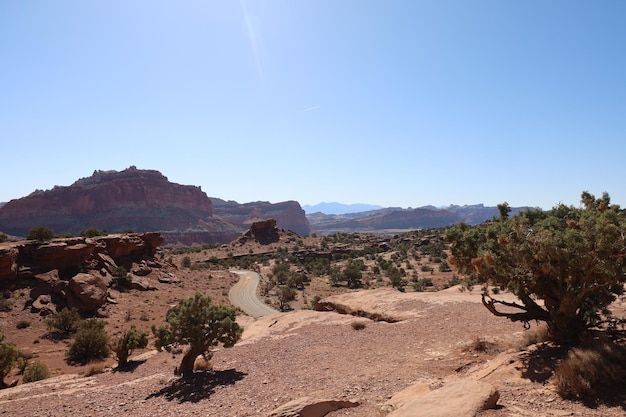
x,y
288,214
140,200
143,201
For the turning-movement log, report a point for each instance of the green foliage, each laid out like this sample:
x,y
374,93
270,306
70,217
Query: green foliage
x,y
36,371
352,273
395,277
123,346
8,358
286,295
570,258
40,233
93,232
186,262
3,237
6,304
90,342
22,324
200,324
121,279
63,323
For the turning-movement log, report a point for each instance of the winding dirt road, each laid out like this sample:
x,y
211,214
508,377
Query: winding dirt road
x,y
243,295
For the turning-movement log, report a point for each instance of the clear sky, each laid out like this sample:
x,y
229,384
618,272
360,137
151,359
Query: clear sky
x,y
395,103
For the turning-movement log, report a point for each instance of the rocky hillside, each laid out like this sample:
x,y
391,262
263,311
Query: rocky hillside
x,y
143,201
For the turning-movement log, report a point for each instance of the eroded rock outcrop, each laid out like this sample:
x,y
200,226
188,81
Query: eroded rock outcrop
x,y
310,407
288,214
140,200
462,398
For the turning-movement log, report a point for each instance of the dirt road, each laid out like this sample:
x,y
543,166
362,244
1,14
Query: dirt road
x,y
243,295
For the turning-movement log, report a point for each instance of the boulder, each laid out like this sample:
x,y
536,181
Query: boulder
x,y
310,407
43,305
8,265
141,284
87,292
462,398
168,278
141,269
408,394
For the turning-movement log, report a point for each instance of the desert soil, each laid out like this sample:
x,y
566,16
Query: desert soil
x,y
291,355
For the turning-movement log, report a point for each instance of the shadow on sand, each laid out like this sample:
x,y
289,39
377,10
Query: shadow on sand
x,y
198,387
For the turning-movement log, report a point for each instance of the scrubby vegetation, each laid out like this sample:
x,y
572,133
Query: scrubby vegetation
x,y
36,371
90,342
124,345
570,258
64,323
41,233
8,359
200,324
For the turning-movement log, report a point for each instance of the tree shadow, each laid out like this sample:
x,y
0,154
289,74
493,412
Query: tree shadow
x,y
539,364
130,366
199,386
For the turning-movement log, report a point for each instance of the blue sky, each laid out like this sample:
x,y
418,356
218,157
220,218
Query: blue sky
x,y
395,103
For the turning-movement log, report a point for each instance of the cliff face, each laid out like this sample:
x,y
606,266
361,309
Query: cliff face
x,y
143,201
288,214
140,200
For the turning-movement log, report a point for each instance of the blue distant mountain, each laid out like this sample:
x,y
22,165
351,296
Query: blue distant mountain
x,y
339,208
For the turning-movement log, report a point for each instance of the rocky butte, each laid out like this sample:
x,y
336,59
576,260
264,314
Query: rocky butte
x,y
142,201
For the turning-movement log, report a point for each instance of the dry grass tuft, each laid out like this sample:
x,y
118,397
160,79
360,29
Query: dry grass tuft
x,y
587,369
358,324
539,334
202,364
480,344
98,368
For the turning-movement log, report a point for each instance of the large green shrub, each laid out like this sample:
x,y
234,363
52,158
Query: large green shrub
x,y
36,371
40,233
90,342
8,358
63,323
565,265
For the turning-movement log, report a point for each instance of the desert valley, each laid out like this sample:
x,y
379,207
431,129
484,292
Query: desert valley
x,y
366,314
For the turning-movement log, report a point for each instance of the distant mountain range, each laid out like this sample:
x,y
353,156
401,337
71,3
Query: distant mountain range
x,y
339,208
387,220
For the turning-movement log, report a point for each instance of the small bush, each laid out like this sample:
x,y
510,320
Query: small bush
x,y
64,323
95,370
121,279
3,237
481,345
36,371
22,324
131,339
40,233
358,324
6,304
186,262
93,232
537,335
90,342
585,370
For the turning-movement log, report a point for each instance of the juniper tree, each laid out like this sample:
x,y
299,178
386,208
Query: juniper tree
x,y
565,265
200,324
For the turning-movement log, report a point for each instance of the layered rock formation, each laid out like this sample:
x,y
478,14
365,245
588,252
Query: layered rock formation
x,y
51,269
143,201
288,214
140,200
